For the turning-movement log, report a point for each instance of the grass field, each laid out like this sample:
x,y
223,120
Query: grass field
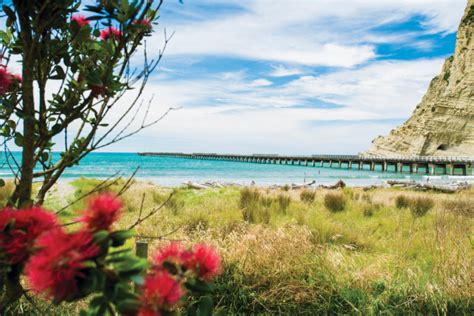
x,y
385,251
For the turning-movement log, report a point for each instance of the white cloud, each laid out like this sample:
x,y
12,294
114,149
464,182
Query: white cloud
x,y
388,89
282,71
324,33
261,83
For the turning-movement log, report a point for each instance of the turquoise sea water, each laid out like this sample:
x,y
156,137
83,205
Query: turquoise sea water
x,y
174,171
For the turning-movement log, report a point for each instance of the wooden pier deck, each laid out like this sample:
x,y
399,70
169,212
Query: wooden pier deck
x,y
411,164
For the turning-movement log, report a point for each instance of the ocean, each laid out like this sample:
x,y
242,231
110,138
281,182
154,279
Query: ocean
x,y
168,171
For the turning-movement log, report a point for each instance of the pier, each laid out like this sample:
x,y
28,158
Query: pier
x,y
409,164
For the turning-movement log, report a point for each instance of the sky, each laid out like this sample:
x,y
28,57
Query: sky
x,y
291,77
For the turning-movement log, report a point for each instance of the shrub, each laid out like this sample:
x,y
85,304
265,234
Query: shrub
x,y
460,207
348,192
286,187
266,201
366,197
335,202
420,206
257,214
369,210
248,214
249,196
174,205
402,201
196,222
284,201
308,196
264,215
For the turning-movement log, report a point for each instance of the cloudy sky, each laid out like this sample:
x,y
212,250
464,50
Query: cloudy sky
x,y
301,77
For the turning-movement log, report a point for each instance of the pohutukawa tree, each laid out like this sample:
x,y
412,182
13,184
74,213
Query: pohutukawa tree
x,y
77,61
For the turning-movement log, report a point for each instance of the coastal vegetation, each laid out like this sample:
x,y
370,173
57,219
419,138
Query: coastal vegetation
x,y
284,255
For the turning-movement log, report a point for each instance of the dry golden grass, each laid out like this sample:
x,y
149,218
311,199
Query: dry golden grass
x,y
300,258
5,192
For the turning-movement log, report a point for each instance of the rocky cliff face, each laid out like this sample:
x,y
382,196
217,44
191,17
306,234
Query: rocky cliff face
x,y
443,123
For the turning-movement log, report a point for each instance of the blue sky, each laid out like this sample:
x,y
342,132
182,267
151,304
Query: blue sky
x,y
299,77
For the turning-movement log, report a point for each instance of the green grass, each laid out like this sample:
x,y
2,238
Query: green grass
x,y
284,255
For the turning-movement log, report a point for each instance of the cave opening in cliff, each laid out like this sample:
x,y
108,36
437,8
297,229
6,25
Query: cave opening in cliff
x,y
443,147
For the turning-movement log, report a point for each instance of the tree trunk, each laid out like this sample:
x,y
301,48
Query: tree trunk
x,y
22,195
27,160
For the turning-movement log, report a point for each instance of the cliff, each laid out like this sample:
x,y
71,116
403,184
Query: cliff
x,y
443,123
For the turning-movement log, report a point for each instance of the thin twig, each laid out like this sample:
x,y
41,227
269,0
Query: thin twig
x,y
152,212
162,236
141,206
128,183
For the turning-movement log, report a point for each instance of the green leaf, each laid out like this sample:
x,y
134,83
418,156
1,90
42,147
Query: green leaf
x,y
19,140
5,38
93,78
11,123
56,128
205,306
97,301
131,265
88,264
199,286
84,313
2,183
60,74
101,236
119,237
220,312
44,156
191,309
128,305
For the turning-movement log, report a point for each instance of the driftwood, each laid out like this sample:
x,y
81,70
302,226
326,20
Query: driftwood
x,y
339,185
194,185
295,186
210,185
373,187
444,188
213,184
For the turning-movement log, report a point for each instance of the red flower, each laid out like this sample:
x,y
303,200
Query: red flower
x,y
148,312
103,211
160,292
80,20
146,23
18,78
56,269
109,33
172,253
18,240
205,261
6,79
97,90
